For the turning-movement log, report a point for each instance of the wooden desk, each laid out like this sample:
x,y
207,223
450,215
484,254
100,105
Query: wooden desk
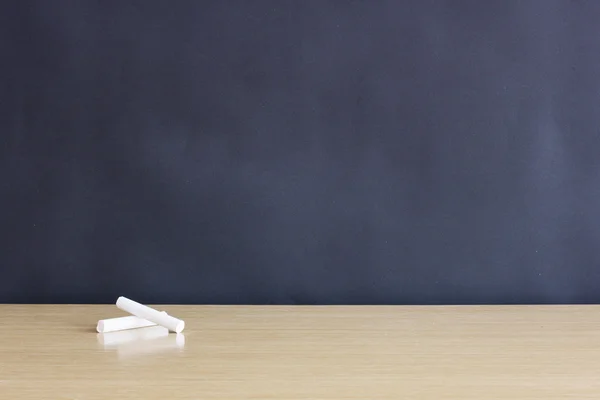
x,y
425,353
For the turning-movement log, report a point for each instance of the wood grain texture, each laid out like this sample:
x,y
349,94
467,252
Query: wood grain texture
x,y
426,353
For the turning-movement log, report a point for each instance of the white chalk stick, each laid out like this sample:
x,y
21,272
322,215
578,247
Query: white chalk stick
x,y
115,339
122,323
139,310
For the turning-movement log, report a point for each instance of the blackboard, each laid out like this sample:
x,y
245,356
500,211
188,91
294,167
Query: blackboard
x,y
300,152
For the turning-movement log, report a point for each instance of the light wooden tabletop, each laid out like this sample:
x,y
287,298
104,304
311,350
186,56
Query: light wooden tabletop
x,y
425,353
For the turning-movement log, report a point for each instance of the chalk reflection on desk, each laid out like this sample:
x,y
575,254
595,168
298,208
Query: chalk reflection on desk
x,y
143,341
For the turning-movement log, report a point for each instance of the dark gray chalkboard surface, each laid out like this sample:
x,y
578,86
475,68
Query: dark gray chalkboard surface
x,y
300,152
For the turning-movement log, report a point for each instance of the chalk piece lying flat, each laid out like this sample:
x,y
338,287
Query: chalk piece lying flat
x,y
122,323
139,310
115,339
